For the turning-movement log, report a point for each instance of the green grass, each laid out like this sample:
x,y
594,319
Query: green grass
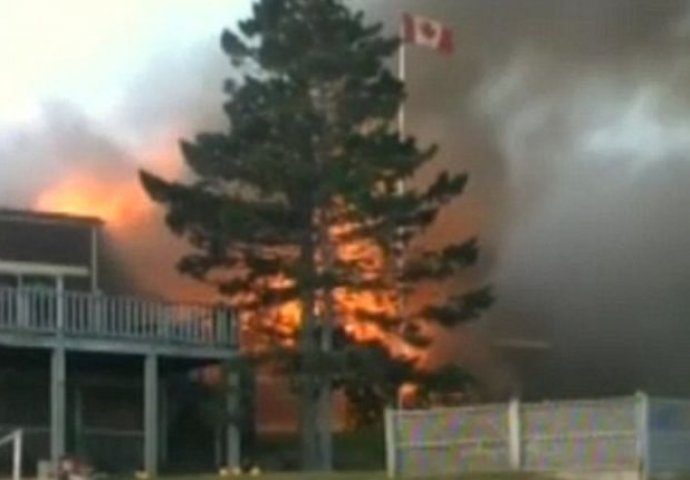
x,y
381,476
359,476
358,451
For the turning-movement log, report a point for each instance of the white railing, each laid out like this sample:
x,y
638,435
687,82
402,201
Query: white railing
x,y
668,442
77,314
637,435
15,438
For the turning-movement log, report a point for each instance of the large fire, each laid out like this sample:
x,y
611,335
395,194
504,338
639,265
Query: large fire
x,y
124,207
115,197
116,203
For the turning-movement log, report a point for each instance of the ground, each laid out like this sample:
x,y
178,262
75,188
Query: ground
x,y
363,476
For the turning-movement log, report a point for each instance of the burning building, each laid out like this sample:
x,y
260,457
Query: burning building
x,y
86,372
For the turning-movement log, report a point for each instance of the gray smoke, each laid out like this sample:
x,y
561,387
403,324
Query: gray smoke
x,y
176,96
572,118
573,121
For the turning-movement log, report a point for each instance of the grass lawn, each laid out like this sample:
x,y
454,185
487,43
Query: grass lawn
x,y
361,476
381,476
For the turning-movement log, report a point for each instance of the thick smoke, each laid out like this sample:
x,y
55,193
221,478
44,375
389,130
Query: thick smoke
x,y
67,160
572,119
583,177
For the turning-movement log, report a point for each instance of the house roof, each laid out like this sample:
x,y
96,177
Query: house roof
x,y
48,217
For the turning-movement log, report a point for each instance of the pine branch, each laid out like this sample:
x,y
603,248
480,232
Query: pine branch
x,y
434,265
460,308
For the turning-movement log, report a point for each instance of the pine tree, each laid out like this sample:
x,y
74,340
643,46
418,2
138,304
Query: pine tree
x,y
294,208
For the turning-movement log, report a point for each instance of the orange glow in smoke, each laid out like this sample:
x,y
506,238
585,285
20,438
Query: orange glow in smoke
x,y
118,200
123,205
116,203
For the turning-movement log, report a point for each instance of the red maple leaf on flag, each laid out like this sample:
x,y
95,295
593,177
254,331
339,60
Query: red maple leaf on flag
x,y
426,32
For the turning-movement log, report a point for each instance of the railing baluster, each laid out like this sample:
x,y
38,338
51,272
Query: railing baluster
x,y
80,312
136,318
176,319
193,323
134,312
161,325
38,301
154,328
4,304
40,313
71,311
188,313
149,325
126,315
50,305
200,321
185,322
143,319
129,315
90,312
112,317
123,319
196,325
95,315
119,325
74,315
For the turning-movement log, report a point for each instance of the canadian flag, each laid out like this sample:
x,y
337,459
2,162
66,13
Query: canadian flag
x,y
427,32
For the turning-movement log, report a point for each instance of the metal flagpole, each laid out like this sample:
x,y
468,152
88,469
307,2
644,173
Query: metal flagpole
x,y
401,76
400,187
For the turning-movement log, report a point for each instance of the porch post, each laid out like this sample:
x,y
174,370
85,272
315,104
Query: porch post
x,y
78,421
57,404
163,427
151,430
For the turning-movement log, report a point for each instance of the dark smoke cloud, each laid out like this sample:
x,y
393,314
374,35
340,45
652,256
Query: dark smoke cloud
x,y
572,118
33,157
175,96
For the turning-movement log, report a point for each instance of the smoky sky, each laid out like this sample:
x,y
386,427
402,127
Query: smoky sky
x,y
573,121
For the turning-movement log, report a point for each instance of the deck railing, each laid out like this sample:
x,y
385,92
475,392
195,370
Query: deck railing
x,y
78,314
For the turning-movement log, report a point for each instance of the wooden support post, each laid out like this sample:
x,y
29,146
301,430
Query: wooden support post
x,y
151,414
57,405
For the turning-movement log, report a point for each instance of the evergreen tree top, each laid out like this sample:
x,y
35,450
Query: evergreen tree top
x,y
311,146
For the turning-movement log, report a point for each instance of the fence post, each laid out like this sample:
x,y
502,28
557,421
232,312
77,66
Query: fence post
x,y
391,442
17,456
514,434
642,424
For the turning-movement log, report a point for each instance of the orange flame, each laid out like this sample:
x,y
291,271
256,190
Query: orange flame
x,y
124,207
116,203
117,199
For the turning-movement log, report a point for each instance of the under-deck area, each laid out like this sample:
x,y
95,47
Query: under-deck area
x,y
96,375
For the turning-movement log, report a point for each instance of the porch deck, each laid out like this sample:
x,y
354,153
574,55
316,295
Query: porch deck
x,y
36,317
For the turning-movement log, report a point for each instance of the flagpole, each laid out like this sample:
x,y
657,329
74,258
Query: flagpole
x,y
402,64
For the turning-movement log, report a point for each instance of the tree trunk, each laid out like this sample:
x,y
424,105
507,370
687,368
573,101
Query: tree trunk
x,y
316,399
308,387
309,431
325,397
